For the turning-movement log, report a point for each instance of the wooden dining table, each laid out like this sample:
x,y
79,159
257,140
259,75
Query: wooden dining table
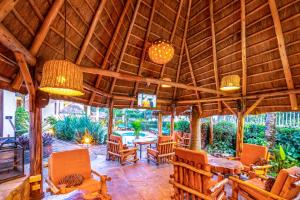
x,y
144,141
225,166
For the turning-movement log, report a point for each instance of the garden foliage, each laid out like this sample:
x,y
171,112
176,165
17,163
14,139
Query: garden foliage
x,y
21,121
182,125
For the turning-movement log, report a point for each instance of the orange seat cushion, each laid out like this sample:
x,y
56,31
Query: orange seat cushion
x,y
89,185
257,182
65,163
252,152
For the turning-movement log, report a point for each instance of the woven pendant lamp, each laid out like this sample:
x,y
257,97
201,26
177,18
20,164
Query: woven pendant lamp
x,y
230,82
161,51
62,77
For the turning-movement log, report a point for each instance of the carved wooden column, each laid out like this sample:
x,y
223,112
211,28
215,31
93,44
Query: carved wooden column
x,y
211,131
195,129
240,128
159,124
172,121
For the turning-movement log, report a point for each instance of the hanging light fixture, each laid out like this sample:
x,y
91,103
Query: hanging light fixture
x,y
166,85
230,82
62,77
161,51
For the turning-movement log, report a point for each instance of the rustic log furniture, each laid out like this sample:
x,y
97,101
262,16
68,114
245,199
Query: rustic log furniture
x,y
164,150
144,141
76,161
286,186
117,150
192,178
182,139
224,166
250,155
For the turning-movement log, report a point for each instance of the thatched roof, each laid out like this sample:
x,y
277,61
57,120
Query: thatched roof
x,y
195,64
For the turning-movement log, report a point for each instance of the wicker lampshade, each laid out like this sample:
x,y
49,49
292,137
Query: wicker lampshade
x,y
166,85
161,51
230,82
62,77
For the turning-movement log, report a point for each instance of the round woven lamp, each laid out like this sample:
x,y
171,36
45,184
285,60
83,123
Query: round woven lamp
x,y
230,82
166,85
62,77
161,51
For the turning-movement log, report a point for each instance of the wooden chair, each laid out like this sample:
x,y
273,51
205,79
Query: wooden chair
x,y
192,178
182,139
116,150
250,155
62,164
164,150
286,186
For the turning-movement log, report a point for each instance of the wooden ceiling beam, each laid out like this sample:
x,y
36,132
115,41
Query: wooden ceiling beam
x,y
171,40
251,108
129,77
183,42
145,47
5,7
192,75
110,47
282,52
90,32
229,108
244,48
125,44
215,62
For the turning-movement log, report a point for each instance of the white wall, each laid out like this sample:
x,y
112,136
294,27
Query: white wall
x,y
9,109
49,110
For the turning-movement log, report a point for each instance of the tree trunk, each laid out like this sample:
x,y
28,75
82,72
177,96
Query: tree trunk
x,y
270,129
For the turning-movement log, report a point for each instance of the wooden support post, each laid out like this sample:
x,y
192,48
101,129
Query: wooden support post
x,y
211,131
240,129
110,119
159,123
172,120
195,129
244,47
5,7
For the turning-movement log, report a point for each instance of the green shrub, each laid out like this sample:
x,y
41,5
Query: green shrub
x,y
289,139
21,121
137,126
183,126
255,134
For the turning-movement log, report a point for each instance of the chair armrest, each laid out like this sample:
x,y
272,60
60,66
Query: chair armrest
x,y
110,142
218,185
233,158
127,150
107,178
256,167
52,186
259,190
150,149
165,143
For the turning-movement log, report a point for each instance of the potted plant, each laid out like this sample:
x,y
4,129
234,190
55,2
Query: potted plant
x,y
137,126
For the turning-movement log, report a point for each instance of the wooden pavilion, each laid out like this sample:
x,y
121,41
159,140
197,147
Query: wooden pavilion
x,y
259,40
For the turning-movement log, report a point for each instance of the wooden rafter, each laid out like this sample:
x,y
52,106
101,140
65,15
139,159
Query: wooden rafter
x,y
125,44
129,77
215,62
282,52
145,46
244,50
229,108
90,32
5,7
254,105
110,47
182,46
40,37
192,75
171,40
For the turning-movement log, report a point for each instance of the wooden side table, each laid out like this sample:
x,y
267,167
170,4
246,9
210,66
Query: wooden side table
x,y
144,141
225,166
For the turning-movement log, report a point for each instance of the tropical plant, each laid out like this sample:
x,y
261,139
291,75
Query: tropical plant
x,y
21,121
183,126
255,134
137,126
289,139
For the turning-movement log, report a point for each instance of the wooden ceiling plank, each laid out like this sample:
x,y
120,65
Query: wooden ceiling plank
x,y
229,108
125,44
110,47
90,32
145,47
215,62
129,77
5,7
282,52
171,40
244,50
251,108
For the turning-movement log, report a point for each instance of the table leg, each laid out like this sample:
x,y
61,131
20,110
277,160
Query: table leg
x,y
141,151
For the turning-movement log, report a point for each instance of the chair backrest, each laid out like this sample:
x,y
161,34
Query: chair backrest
x,y
283,185
115,148
252,152
188,177
167,147
61,164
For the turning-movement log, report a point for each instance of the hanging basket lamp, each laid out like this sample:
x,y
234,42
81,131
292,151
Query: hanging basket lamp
x,y
230,83
161,51
166,85
62,77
